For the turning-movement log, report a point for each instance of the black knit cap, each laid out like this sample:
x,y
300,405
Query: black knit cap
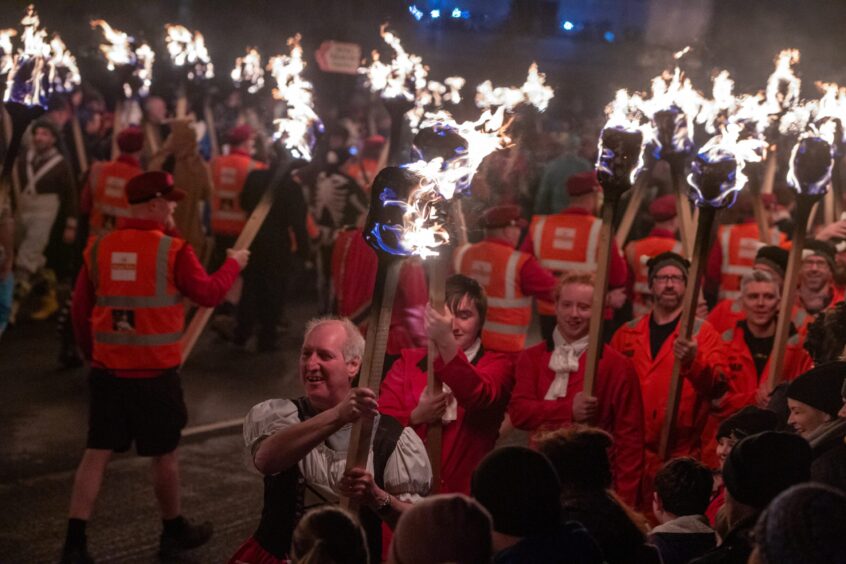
x,y
822,249
520,489
774,257
804,525
762,466
750,420
667,258
820,387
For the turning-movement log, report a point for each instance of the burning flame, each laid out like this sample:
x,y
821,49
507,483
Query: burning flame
x,y
625,113
724,148
783,85
249,70
716,111
403,77
38,66
297,129
120,51
189,50
6,50
534,92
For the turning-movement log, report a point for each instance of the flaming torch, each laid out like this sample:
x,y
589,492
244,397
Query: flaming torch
x,y
715,179
188,51
783,88
809,174
299,129
248,72
533,92
38,67
830,119
134,67
619,162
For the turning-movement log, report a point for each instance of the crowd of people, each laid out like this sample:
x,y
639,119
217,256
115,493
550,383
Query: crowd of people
x,y
107,231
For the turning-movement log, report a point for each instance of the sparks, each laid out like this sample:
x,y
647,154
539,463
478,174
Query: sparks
x,y
534,91
298,129
187,50
249,71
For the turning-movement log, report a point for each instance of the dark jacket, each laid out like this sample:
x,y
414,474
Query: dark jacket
x,y
569,543
736,547
829,451
683,539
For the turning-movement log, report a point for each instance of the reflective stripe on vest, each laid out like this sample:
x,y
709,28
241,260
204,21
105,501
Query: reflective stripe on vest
x,y
506,329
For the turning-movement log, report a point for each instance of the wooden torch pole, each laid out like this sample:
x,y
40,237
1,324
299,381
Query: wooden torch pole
x,y
434,434
637,195
597,313
686,229
117,125
687,323
376,342
804,206
770,167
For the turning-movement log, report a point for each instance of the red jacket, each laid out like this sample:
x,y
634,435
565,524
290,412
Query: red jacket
x,y
189,277
481,389
620,407
727,313
632,340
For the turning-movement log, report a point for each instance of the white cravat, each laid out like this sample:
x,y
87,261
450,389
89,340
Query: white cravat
x,y
564,360
451,413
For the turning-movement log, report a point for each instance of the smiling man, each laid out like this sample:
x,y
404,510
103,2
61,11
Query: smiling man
x,y
550,382
477,384
301,444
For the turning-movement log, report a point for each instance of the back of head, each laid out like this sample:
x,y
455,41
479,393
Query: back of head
x,y
580,456
803,525
827,335
520,489
684,487
750,420
443,528
762,466
329,535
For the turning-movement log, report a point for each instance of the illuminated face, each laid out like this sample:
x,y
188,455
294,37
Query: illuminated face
x,y
572,310
815,273
760,302
466,323
325,374
805,419
724,447
668,287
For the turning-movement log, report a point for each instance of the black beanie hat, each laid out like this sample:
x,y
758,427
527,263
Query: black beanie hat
x,y
822,249
667,258
520,489
774,257
762,466
804,525
750,420
820,387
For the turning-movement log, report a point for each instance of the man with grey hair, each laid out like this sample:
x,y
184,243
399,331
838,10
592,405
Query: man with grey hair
x,y
744,356
301,444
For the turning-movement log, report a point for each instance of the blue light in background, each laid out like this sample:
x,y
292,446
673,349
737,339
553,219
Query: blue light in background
x,y
465,15
609,36
456,13
568,26
415,11
435,14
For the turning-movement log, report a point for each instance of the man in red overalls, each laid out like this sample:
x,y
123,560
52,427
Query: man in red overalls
x,y
128,316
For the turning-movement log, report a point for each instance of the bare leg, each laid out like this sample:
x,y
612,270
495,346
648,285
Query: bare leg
x,y
86,483
166,484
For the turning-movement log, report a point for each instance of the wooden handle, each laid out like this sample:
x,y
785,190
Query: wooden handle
x,y
597,314
117,125
370,374
760,216
687,324
686,228
637,195
770,167
434,433
208,115
788,297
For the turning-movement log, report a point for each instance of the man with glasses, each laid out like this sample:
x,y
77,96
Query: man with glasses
x,y
653,343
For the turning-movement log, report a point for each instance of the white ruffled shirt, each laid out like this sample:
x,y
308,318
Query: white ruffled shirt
x,y
564,361
408,474
451,413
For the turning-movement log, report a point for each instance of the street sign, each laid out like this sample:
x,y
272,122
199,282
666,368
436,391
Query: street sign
x,y
334,56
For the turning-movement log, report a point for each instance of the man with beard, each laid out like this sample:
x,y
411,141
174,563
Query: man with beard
x,y
301,445
745,355
653,343
549,390
817,290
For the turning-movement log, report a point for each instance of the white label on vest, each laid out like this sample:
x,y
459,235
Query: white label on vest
x,y
749,248
480,271
114,186
124,266
564,238
228,175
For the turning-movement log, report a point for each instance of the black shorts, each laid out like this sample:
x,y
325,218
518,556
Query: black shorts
x,y
149,411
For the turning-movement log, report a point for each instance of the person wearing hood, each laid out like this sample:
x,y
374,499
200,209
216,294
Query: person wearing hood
x,y
815,400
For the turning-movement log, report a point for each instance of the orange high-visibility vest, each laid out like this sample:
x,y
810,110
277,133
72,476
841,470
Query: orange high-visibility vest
x,y
565,243
138,317
739,244
229,173
108,197
496,268
638,254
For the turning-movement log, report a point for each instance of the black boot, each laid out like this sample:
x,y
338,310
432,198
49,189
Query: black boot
x,y
179,534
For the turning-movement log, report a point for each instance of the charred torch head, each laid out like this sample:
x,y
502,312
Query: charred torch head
x,y
438,141
810,166
713,177
384,228
671,133
620,152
